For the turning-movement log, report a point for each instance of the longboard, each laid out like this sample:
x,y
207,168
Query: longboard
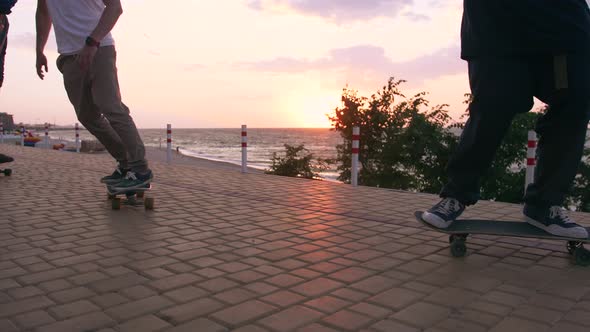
x,y
460,229
133,197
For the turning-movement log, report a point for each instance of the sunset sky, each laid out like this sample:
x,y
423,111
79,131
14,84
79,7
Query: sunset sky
x,y
265,63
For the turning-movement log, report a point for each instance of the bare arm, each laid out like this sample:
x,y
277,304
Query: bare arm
x,y
43,23
109,18
107,21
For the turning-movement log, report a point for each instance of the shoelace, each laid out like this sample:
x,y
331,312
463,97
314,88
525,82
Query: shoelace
x,y
130,176
557,211
447,206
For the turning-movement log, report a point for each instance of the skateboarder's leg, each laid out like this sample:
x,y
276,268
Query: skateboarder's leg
x,y
562,135
501,88
78,89
107,97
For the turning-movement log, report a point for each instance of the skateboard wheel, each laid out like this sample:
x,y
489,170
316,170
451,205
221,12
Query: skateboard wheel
x,y
572,246
149,203
116,203
140,194
7,172
457,237
582,256
458,248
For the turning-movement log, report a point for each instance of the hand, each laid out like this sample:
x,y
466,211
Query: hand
x,y
41,62
86,56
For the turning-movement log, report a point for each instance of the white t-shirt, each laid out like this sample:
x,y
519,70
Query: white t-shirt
x,y
73,21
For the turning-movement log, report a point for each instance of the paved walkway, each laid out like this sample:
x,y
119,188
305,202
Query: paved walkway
x,y
252,252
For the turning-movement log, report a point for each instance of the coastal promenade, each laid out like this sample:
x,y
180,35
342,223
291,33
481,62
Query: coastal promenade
x,y
225,251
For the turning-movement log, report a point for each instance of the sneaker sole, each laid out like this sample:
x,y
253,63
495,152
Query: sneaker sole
x,y
110,182
435,220
574,232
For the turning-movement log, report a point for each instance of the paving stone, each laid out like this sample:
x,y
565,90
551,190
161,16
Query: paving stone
x,y
148,323
423,314
88,322
73,309
519,324
243,313
191,310
33,319
137,308
291,318
347,320
200,324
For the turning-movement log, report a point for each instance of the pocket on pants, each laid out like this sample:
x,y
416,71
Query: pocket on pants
x,y
62,60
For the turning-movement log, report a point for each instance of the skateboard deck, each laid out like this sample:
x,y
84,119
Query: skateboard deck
x,y
460,229
133,197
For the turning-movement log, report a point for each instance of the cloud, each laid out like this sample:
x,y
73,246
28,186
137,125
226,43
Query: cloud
x,y
369,60
337,10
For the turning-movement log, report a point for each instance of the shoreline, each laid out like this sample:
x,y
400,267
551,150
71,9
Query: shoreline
x,y
159,155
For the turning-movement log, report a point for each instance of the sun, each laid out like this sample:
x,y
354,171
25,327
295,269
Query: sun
x,y
310,109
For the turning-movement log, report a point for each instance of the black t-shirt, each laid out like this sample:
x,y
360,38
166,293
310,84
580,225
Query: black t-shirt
x,y
522,27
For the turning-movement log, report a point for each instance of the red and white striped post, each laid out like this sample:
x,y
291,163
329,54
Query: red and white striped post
x,y
77,128
354,173
531,159
46,135
1,132
22,135
169,143
244,149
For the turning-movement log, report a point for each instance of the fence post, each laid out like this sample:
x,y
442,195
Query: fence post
x,y
22,135
356,132
531,159
244,149
168,143
46,135
77,138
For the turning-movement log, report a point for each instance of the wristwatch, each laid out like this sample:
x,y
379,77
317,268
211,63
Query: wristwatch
x,y
91,42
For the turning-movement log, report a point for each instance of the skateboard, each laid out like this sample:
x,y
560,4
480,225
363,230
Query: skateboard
x,y
133,197
460,229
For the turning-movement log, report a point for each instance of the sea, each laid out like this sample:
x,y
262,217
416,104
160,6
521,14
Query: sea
x,y
225,144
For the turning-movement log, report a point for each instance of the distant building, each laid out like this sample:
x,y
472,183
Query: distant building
x,y
7,121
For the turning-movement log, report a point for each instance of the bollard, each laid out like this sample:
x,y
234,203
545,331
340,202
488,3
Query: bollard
x,y
46,135
531,159
77,138
356,135
169,143
244,149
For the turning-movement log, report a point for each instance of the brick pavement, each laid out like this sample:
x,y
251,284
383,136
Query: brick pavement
x,y
251,252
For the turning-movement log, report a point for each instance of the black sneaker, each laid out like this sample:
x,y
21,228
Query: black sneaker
x,y
554,220
117,176
5,159
444,213
134,180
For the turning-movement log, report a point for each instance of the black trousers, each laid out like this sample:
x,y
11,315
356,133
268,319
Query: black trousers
x,y
503,87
